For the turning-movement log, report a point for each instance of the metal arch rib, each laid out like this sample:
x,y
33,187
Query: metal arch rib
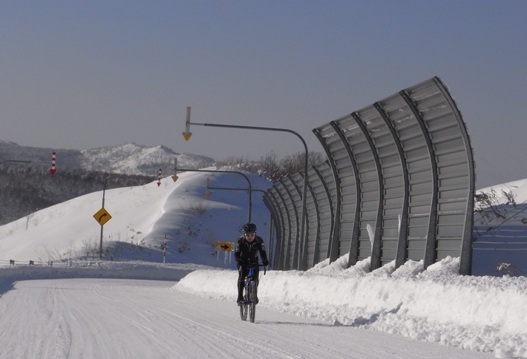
x,y
354,245
376,246
280,241
332,217
465,265
298,240
431,238
305,241
401,254
333,248
287,244
275,220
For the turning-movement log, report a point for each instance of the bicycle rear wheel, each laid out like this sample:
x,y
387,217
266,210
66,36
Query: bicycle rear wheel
x,y
252,305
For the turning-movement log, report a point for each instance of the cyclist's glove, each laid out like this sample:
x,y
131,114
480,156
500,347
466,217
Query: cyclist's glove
x,y
266,262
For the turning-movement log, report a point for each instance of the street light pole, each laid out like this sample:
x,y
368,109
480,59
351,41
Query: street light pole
x,y
302,260
102,226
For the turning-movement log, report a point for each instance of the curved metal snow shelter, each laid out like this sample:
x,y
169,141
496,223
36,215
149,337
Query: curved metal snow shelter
x,y
398,185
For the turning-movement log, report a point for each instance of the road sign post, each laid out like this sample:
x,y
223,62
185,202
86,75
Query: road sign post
x,y
102,216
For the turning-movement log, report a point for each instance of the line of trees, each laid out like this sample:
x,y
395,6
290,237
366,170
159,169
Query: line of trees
x,y
271,167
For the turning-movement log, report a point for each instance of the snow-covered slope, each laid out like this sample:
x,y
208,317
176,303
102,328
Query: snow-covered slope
x,y
143,218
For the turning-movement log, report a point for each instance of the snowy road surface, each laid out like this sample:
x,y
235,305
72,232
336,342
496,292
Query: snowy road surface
x,y
110,318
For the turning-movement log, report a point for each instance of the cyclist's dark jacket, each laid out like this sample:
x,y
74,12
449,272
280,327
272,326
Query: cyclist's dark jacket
x,y
245,253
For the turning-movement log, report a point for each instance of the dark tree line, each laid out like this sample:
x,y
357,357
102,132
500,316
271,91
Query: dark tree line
x,y
272,168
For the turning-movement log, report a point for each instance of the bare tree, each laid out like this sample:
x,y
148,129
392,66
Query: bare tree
x,y
488,205
271,168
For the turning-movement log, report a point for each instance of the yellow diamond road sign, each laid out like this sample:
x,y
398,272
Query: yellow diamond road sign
x,y
102,216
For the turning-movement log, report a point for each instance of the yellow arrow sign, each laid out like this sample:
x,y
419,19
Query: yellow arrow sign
x,y
223,246
186,135
226,246
102,216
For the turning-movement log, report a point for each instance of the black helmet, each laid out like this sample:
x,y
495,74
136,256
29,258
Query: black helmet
x,y
249,228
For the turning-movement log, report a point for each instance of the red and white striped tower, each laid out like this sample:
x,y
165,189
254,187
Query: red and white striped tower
x,y
159,178
53,161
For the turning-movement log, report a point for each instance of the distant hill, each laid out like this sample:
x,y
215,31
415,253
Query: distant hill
x,y
26,184
130,158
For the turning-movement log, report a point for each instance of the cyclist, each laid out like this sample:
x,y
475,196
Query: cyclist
x,y
245,253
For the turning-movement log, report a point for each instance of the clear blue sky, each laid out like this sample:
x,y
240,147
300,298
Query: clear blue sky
x,y
85,74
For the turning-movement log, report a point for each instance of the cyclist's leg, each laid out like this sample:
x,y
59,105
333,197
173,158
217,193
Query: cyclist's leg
x,y
256,280
242,273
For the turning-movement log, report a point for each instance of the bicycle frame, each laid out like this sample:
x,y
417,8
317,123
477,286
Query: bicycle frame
x,y
250,276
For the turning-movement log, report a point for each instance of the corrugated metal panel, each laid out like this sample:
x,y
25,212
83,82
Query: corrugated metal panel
x,y
401,170
453,156
419,173
292,207
286,252
280,220
276,231
363,161
347,193
314,205
292,240
312,215
321,181
392,179
295,192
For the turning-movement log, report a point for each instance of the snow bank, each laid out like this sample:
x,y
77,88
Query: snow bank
x,y
485,314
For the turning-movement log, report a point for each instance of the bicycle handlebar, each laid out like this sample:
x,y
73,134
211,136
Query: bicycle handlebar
x,y
259,265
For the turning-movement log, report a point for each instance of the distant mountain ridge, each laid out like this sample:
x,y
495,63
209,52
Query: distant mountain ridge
x,y
27,186
130,158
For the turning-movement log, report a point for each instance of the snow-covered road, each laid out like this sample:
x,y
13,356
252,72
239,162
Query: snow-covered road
x,y
119,318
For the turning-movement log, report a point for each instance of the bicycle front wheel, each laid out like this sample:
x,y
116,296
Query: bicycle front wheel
x,y
244,306
243,311
252,305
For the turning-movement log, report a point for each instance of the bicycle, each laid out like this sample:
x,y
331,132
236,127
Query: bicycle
x,y
248,306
